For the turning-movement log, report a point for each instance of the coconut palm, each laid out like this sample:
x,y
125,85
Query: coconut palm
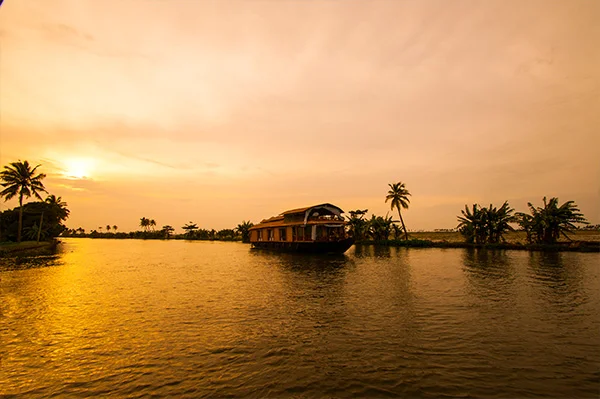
x,y
152,223
19,179
398,194
60,207
115,227
108,227
144,223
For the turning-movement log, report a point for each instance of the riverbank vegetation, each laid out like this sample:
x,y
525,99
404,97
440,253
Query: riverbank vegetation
x,y
34,221
550,226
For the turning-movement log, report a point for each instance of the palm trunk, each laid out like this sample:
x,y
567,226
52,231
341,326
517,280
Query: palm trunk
x,y
403,226
40,229
20,217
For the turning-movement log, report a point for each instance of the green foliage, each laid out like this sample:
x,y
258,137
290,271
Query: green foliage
x,y
545,224
482,225
54,214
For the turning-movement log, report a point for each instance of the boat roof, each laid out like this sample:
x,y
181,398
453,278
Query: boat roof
x,y
303,210
278,221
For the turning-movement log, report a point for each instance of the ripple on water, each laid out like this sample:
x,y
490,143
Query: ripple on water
x,y
175,319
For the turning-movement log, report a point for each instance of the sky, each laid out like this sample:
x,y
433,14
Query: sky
x,y
216,112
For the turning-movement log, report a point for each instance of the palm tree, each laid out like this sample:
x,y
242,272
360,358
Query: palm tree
x,y
144,223
243,229
19,179
115,227
152,223
108,227
59,205
190,228
398,194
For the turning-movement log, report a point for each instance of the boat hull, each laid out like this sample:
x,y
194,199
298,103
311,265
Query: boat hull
x,y
311,247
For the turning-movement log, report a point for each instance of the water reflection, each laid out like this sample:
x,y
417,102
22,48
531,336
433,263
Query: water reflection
x,y
378,251
30,262
170,319
490,273
559,282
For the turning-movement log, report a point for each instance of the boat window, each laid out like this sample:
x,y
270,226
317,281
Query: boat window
x,y
282,235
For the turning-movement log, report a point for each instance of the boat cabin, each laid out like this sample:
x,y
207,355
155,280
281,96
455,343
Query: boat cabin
x,y
317,223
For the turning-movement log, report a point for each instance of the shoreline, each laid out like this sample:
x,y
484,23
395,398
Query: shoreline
x,y
574,246
28,248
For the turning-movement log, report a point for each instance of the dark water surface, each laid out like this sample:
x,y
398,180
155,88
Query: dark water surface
x,y
129,318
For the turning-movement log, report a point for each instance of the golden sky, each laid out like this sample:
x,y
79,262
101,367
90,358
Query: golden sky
x,y
221,111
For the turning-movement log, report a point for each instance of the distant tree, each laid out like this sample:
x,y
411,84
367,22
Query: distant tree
x,y
108,227
244,230
545,224
144,223
225,234
167,231
398,194
100,228
152,223
115,227
190,228
19,179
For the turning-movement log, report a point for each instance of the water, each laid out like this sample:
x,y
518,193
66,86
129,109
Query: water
x,y
198,319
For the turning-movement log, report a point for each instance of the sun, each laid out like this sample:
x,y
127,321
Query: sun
x,y
78,168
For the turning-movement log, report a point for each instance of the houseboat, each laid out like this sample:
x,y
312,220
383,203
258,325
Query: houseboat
x,y
314,229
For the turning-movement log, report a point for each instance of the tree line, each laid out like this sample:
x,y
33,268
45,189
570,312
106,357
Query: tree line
x,y
191,232
43,219
478,224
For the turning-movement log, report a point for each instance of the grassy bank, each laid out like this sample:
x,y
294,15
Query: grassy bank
x,y
580,241
27,248
512,237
